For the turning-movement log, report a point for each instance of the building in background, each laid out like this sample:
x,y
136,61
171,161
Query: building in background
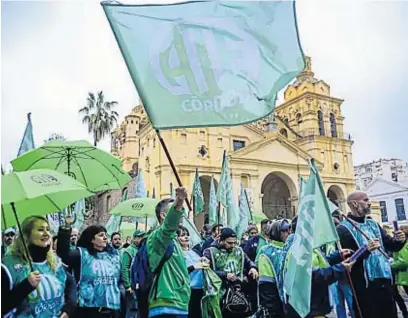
x,y
386,169
267,157
392,198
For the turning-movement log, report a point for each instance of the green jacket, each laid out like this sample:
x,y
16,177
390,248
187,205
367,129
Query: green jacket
x,y
127,256
173,286
400,265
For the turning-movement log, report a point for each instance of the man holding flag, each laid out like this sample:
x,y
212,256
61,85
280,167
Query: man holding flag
x,y
308,274
371,275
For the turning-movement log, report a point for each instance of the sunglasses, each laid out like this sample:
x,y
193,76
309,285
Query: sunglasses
x,y
9,235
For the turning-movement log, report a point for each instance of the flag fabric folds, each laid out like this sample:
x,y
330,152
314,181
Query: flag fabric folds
x,y
244,213
198,196
195,237
212,204
314,228
79,214
140,192
192,69
225,194
27,143
114,221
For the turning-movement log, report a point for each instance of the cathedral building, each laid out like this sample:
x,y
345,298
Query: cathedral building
x,y
268,156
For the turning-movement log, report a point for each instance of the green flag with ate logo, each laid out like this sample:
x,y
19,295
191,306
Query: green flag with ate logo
x,y
314,228
208,63
198,195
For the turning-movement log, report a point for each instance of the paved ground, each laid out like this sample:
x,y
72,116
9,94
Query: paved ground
x,y
333,315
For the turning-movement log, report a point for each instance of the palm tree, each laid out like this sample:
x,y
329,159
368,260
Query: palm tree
x,y
55,136
99,116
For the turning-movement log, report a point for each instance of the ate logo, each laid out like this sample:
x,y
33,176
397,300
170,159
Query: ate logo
x,y
137,206
45,179
190,58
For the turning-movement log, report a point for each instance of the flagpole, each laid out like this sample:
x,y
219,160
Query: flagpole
x,y
193,197
249,207
350,281
173,167
219,213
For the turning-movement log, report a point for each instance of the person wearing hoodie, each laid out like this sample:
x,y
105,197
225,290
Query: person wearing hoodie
x,y
268,262
170,292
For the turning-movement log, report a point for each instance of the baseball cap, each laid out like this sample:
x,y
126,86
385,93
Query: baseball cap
x,y
138,233
227,232
9,231
285,225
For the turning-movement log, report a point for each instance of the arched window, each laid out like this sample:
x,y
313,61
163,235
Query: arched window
x,y
284,132
286,121
333,126
298,118
321,122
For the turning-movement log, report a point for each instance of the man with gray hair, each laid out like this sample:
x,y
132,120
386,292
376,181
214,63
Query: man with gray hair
x,y
371,274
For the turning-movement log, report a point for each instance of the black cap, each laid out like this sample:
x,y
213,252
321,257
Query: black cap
x,y
227,232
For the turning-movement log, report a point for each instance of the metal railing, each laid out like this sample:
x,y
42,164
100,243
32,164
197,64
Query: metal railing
x,y
328,133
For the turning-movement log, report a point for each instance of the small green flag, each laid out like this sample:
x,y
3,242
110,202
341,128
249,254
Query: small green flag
x,y
212,204
27,143
198,195
244,213
225,194
315,228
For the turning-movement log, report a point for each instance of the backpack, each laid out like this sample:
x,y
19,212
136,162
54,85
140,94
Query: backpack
x,y
142,276
235,300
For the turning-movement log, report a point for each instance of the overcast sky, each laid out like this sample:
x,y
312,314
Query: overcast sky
x,y
54,53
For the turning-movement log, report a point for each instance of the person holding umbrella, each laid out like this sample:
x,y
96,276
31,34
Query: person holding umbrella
x,y
48,290
96,267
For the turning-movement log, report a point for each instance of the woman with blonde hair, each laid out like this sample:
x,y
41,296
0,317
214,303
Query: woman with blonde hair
x,y
47,291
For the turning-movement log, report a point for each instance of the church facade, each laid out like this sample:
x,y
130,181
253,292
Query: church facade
x,y
268,156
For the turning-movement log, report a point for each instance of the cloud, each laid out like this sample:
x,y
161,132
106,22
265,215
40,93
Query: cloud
x,y
54,53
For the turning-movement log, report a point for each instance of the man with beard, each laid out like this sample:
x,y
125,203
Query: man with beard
x,y
231,264
371,274
7,239
116,240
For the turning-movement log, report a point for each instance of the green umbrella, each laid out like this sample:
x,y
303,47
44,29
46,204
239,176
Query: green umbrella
x,y
95,168
138,207
257,217
37,192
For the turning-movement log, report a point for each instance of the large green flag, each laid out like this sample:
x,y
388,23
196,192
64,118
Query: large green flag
x,y
208,63
198,195
314,228
225,194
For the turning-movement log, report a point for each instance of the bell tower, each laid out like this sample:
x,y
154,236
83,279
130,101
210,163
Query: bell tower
x,y
312,119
